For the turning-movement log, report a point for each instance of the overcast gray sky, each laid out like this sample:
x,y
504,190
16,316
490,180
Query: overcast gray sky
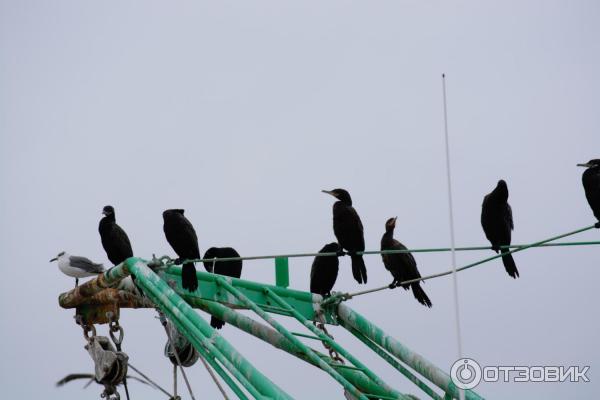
x,y
241,112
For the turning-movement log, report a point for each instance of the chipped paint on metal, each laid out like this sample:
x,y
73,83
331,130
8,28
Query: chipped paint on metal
x,y
403,353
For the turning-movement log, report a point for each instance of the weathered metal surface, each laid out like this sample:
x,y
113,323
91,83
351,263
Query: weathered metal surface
x,y
123,298
305,303
110,366
336,346
201,334
297,343
276,339
96,314
99,293
109,279
393,362
403,353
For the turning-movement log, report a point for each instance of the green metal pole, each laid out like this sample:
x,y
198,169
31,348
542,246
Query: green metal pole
x,y
397,349
334,344
282,272
304,302
383,354
274,338
186,327
179,310
306,350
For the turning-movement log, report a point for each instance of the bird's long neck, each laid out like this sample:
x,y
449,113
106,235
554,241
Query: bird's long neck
x,y
500,194
343,203
107,220
388,236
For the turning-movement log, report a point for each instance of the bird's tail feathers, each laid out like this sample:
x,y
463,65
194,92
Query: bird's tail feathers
x,y
359,269
189,280
216,323
420,294
509,264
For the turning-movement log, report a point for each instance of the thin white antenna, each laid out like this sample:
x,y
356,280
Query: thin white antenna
x,y
452,242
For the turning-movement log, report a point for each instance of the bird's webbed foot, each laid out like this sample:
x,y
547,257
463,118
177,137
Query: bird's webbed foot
x,y
393,285
597,225
340,253
178,261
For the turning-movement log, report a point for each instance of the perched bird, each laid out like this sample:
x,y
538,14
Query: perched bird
x,y
402,265
182,237
497,223
231,268
76,266
114,239
348,230
324,271
591,184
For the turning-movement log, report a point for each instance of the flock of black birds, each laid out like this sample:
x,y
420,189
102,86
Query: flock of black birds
x,y
181,235
496,220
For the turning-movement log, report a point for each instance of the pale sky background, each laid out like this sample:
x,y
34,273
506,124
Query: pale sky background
x,y
241,112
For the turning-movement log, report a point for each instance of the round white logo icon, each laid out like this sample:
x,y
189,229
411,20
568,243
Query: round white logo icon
x,y
465,373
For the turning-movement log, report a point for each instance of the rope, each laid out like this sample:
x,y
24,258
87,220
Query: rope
x,y
168,261
163,321
461,393
175,381
214,377
541,243
156,385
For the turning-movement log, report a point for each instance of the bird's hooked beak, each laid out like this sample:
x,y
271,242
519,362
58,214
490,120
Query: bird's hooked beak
x,y
54,259
395,218
586,165
104,213
329,192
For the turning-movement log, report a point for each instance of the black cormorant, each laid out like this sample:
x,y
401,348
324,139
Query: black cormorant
x,y
497,223
114,239
182,237
348,230
591,184
231,268
324,271
402,265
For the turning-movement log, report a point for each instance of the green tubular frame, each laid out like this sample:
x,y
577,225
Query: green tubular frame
x,y
220,296
351,319
201,334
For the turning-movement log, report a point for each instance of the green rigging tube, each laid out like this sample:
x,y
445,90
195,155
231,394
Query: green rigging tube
x,y
383,354
196,327
333,344
307,350
397,349
276,339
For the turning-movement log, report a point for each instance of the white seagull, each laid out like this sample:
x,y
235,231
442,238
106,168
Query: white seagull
x,y
76,266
